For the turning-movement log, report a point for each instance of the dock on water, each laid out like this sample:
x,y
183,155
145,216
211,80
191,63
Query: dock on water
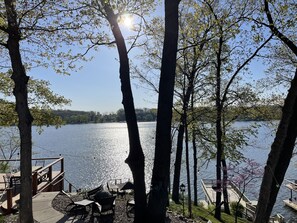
x,y
292,200
234,195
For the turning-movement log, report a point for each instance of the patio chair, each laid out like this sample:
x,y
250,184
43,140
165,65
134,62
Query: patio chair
x,y
78,207
91,193
110,189
130,206
106,205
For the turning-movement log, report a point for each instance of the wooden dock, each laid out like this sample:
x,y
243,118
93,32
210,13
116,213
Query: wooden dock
x,y
292,200
234,193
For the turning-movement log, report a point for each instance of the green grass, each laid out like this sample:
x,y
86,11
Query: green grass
x,y
205,214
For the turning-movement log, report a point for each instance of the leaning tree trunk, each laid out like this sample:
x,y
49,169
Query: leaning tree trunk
x,y
279,156
135,158
284,142
25,119
158,198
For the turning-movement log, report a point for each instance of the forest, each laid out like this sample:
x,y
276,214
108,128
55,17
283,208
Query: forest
x,y
78,117
209,62
264,113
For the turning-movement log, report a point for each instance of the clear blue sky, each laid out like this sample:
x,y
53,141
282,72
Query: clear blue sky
x,y
96,87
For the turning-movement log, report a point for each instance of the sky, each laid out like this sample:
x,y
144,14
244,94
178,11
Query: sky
x,y
96,87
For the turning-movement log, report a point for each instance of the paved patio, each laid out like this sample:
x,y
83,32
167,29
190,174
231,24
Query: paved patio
x,y
43,211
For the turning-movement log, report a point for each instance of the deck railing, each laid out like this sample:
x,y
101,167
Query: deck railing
x,y
46,178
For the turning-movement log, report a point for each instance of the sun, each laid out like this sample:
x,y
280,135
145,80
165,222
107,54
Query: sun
x,y
127,21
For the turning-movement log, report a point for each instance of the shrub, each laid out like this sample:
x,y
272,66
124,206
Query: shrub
x,y
237,209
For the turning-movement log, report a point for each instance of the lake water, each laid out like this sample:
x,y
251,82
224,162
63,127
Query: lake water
x,y
95,153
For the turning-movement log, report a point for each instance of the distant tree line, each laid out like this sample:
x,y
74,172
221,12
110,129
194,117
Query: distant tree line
x,y
79,117
260,113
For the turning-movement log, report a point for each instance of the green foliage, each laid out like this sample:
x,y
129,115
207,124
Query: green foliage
x,y
79,117
40,98
202,214
237,209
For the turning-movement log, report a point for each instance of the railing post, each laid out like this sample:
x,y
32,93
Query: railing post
x,y
34,183
9,199
50,173
70,187
62,164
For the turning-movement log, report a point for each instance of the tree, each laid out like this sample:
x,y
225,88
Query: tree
x,y
41,101
25,118
190,65
284,142
26,22
135,158
231,53
158,198
243,176
9,146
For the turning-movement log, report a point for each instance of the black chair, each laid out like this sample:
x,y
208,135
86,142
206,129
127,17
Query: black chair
x,y
106,205
130,206
78,207
91,193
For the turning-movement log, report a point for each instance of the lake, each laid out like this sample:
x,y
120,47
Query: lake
x,y
95,153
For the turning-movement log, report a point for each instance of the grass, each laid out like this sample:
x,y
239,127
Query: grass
x,y
206,214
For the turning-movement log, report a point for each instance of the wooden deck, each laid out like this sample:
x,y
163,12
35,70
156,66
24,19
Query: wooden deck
x,y
292,200
44,179
234,193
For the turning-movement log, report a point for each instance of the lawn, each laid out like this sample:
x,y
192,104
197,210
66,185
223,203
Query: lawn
x,y
205,214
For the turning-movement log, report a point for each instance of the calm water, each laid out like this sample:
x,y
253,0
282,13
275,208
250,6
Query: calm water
x,y
95,153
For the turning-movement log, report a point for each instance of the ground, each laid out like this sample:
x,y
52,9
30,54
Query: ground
x,y
61,201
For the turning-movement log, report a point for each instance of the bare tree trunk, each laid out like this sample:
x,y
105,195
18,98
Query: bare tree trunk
x,y
158,198
135,158
219,132
25,119
195,168
188,171
178,160
194,155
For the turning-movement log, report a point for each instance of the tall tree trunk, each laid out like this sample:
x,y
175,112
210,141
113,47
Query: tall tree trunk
x,y
284,160
25,119
195,168
225,187
188,170
178,160
219,132
284,142
135,158
279,156
158,198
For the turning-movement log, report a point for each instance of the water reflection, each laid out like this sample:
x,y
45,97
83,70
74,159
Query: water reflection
x,y
95,153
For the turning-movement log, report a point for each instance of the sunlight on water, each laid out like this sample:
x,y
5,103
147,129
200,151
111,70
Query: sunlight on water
x,y
95,153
